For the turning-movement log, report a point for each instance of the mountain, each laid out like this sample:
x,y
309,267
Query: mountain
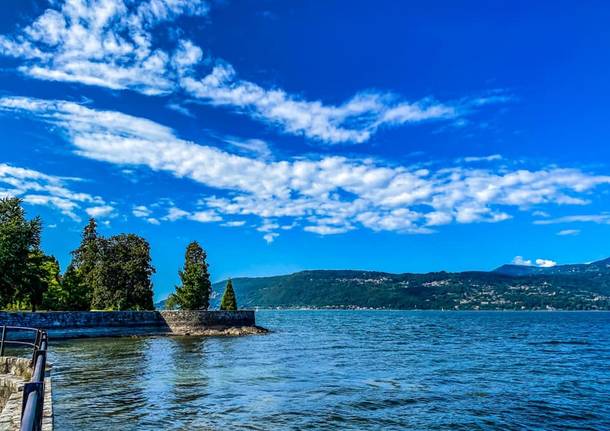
x,y
601,266
575,287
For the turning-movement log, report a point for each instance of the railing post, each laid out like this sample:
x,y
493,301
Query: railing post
x,y
2,342
32,417
36,347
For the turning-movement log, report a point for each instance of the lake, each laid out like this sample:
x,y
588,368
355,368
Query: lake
x,y
390,370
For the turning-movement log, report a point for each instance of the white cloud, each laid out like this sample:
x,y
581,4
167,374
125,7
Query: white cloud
x,y
37,188
518,260
254,147
110,43
101,211
493,157
566,232
327,230
198,216
545,263
234,223
356,120
106,43
204,216
540,263
141,211
539,213
270,237
326,195
176,214
582,218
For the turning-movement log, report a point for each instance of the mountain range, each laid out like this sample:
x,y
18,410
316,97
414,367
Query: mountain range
x,y
509,287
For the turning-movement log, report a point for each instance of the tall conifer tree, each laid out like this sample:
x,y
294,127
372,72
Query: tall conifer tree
x,y
194,292
80,277
228,302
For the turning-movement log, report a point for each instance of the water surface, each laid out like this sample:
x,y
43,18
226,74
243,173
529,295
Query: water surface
x,y
389,370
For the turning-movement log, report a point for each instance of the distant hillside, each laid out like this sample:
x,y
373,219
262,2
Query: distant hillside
x,y
601,267
510,287
584,286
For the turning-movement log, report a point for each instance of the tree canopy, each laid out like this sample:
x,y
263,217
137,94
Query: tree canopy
x,y
80,277
195,289
105,273
19,255
111,273
122,278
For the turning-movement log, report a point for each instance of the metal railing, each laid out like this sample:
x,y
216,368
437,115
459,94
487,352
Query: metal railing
x,y
33,391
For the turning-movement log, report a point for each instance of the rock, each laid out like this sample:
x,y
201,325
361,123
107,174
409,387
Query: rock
x,y
227,332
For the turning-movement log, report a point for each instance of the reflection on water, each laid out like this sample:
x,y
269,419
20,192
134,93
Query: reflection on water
x,y
346,370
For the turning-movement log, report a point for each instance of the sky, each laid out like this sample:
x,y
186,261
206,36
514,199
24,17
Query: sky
x,y
283,136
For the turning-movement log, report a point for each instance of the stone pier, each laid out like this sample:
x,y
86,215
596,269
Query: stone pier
x,y
78,324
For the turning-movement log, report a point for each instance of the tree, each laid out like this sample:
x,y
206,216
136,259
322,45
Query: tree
x,y
81,276
122,278
228,302
194,292
55,297
42,274
77,291
19,248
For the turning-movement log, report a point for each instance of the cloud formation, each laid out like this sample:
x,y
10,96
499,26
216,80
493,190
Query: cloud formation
x,y
325,195
570,232
112,44
37,188
540,263
101,211
106,43
581,218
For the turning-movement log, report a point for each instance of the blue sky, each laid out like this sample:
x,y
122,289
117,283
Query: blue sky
x,y
394,136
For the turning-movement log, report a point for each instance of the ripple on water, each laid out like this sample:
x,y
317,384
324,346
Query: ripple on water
x,y
347,370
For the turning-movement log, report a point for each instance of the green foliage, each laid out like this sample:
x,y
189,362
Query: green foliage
x,y
55,297
109,274
19,254
228,301
194,292
77,292
122,276
42,272
81,275
559,288
171,303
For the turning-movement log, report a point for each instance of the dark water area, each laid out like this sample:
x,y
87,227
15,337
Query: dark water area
x,y
381,370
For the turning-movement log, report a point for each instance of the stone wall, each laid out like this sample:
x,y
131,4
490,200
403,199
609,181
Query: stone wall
x,y
193,321
70,324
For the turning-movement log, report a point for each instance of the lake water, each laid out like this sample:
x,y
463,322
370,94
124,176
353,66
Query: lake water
x,y
389,370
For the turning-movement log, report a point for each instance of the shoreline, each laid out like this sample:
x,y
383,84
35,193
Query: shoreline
x,y
90,324
432,310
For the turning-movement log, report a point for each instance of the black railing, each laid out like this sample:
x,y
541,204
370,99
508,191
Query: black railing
x,y
33,391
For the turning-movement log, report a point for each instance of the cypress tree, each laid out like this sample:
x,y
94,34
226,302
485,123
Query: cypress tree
x,y
195,289
228,302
